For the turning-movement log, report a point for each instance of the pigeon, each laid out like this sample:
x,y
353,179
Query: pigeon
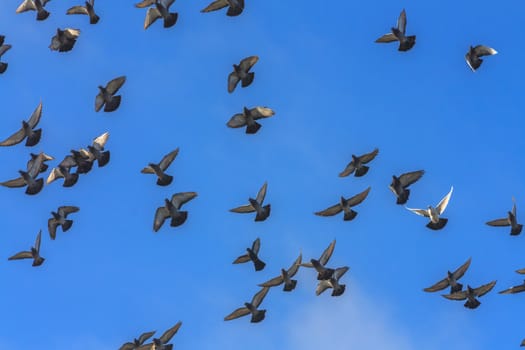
x,y
106,96
33,136
34,253
256,205
436,222
323,272
242,73
510,220
451,280
137,342
171,209
29,177
34,5
83,161
333,282
522,343
60,219
398,34
160,10
64,171
162,342
253,256
3,49
96,150
285,277
474,53
515,289
357,164
471,294
399,185
64,40
251,308
346,206
235,7
248,118
163,179
36,158
88,9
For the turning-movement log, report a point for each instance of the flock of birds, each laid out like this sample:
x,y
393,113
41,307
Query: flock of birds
x,y
81,161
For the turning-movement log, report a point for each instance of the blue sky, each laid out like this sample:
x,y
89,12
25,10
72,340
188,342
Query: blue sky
x,y
335,92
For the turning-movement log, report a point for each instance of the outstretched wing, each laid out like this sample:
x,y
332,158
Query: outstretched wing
x,y
442,205
178,199
77,10
21,255
481,50
237,121
248,63
261,112
243,209
166,337
295,266
438,286
484,289
387,38
408,179
421,212
242,311
358,198
168,158
215,5
456,296
256,246
327,253
402,21
331,211
258,298
262,193
460,271
115,84
365,158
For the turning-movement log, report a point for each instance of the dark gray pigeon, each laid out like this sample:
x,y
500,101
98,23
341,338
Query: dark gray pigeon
x,y
285,277
451,280
235,7
34,253
34,5
474,53
398,34
64,171
29,178
3,50
434,214
137,342
83,161
323,272
171,209
64,40
87,9
159,169
256,205
346,206
251,308
160,10
252,255
35,158
33,136
399,185
357,164
510,220
242,73
248,118
333,282
106,97
471,294
162,342
60,219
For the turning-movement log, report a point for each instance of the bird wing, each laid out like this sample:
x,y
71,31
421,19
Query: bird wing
x,y
421,212
402,21
350,167
15,183
166,337
499,222
168,158
145,3
387,38
456,296
161,215
100,141
327,253
115,84
145,336
99,101
4,49
358,198
295,266
242,311
262,193
237,121
21,255
248,63
514,208
17,137
248,208
259,296
521,271
242,259
233,80
331,211
52,227
127,346
481,50
408,179
178,199
71,33
151,16
147,170
77,10
460,271
438,286
484,289
27,5
67,209
261,112
273,282
513,290
53,175
442,205
256,246
339,272
37,241
215,5
322,286
365,158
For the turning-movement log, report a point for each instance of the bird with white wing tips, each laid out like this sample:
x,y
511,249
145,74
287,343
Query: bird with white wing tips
x,y
472,57
434,214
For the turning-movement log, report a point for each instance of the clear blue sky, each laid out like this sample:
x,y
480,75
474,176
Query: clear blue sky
x,y
335,92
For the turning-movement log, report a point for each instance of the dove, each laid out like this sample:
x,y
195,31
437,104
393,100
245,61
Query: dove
x,y
398,34
285,277
33,136
451,280
34,5
29,177
333,282
64,40
162,342
60,219
242,73
357,164
34,253
399,185
436,222
171,209
106,97
35,158
64,171
474,53
251,308
346,206
83,161
252,255
471,294
263,212
96,150
235,7
161,10
323,272
3,50
87,9
510,220
159,169
248,118
137,342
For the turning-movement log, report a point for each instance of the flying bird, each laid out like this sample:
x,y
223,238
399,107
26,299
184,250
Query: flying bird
x,y
159,169
346,206
33,136
235,7
285,277
252,255
172,209
248,118
474,53
29,177
60,219
36,158
510,220
256,205
64,171
3,49
34,5
160,10
357,164
251,308
106,97
64,40
451,280
398,34
399,185
83,161
96,150
323,272
242,73
162,342
471,294
135,345
87,9
34,253
515,289
333,282
436,222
